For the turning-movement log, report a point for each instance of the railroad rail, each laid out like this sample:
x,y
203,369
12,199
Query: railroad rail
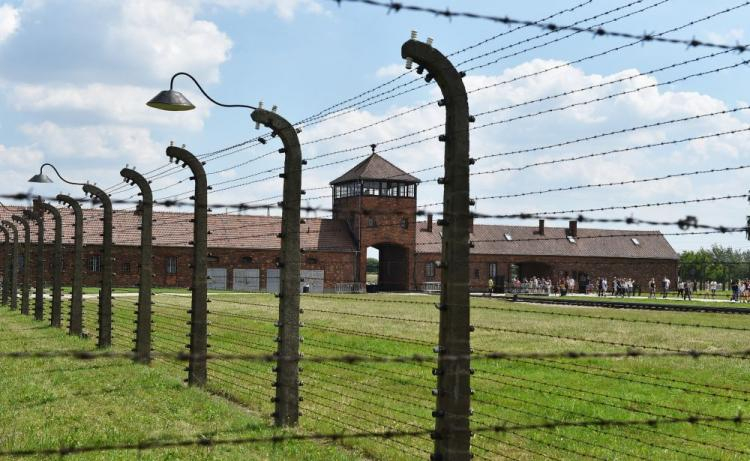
x,y
629,305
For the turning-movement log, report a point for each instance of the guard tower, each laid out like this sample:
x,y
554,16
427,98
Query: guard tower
x,y
378,201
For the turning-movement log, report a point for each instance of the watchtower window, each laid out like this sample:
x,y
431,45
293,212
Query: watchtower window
x,y
377,188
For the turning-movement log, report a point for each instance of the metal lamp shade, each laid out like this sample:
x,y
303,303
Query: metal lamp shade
x,y
170,100
40,178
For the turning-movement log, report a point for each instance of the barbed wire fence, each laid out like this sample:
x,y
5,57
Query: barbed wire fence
x,y
388,375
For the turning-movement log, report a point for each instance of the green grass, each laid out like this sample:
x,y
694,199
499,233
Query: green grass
x,y
48,403
381,396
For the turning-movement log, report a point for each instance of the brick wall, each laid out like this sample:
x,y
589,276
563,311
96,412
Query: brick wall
x,y
338,266
479,265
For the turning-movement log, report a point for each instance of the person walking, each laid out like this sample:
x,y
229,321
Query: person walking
x,y
490,286
651,288
687,291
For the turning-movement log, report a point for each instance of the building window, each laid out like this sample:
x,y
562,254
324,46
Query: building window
x,y
571,239
493,270
95,263
370,188
126,268
171,265
429,269
635,241
476,273
508,237
247,259
371,222
404,223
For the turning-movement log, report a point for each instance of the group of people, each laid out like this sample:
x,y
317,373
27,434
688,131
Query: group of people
x,y
740,291
623,286
535,285
540,285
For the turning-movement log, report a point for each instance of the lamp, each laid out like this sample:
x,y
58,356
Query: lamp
x,y
43,178
175,101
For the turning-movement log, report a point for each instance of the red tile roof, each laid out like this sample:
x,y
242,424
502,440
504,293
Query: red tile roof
x,y
605,243
375,168
174,229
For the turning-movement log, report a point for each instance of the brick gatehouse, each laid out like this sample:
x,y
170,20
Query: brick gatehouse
x,y
374,205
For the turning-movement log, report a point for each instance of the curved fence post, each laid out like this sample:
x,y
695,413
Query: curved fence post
x,y
13,288
57,258
7,265
104,338
26,274
143,315
287,368
452,433
39,272
75,326
197,371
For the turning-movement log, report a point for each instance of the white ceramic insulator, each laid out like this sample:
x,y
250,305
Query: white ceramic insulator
x,y
260,106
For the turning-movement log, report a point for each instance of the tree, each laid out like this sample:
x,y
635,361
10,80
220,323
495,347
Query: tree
x,y
372,265
718,263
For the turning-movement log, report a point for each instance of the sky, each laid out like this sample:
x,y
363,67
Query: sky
x,y
75,76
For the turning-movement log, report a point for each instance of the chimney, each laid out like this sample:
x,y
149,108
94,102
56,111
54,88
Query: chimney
x,y
541,227
429,223
573,228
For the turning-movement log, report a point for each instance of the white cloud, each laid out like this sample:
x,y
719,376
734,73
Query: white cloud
x,y
285,9
390,71
165,37
20,156
727,38
97,142
118,103
10,19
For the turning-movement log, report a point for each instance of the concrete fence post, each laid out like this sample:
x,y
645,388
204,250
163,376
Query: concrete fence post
x,y
287,371
6,266
104,338
57,261
75,326
26,274
452,434
197,370
39,284
143,315
13,288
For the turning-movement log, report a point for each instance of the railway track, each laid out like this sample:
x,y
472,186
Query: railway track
x,y
629,305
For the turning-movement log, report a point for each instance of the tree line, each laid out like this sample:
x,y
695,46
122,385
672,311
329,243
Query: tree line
x,y
722,264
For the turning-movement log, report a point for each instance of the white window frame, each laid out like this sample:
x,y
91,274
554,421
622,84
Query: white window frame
x,y
171,265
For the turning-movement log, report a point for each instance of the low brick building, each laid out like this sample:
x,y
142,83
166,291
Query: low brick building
x,y
374,206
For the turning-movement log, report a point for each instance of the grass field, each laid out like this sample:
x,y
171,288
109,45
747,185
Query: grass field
x,y
48,403
382,396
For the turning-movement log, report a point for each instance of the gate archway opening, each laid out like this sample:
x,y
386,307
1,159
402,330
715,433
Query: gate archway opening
x,y
393,267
